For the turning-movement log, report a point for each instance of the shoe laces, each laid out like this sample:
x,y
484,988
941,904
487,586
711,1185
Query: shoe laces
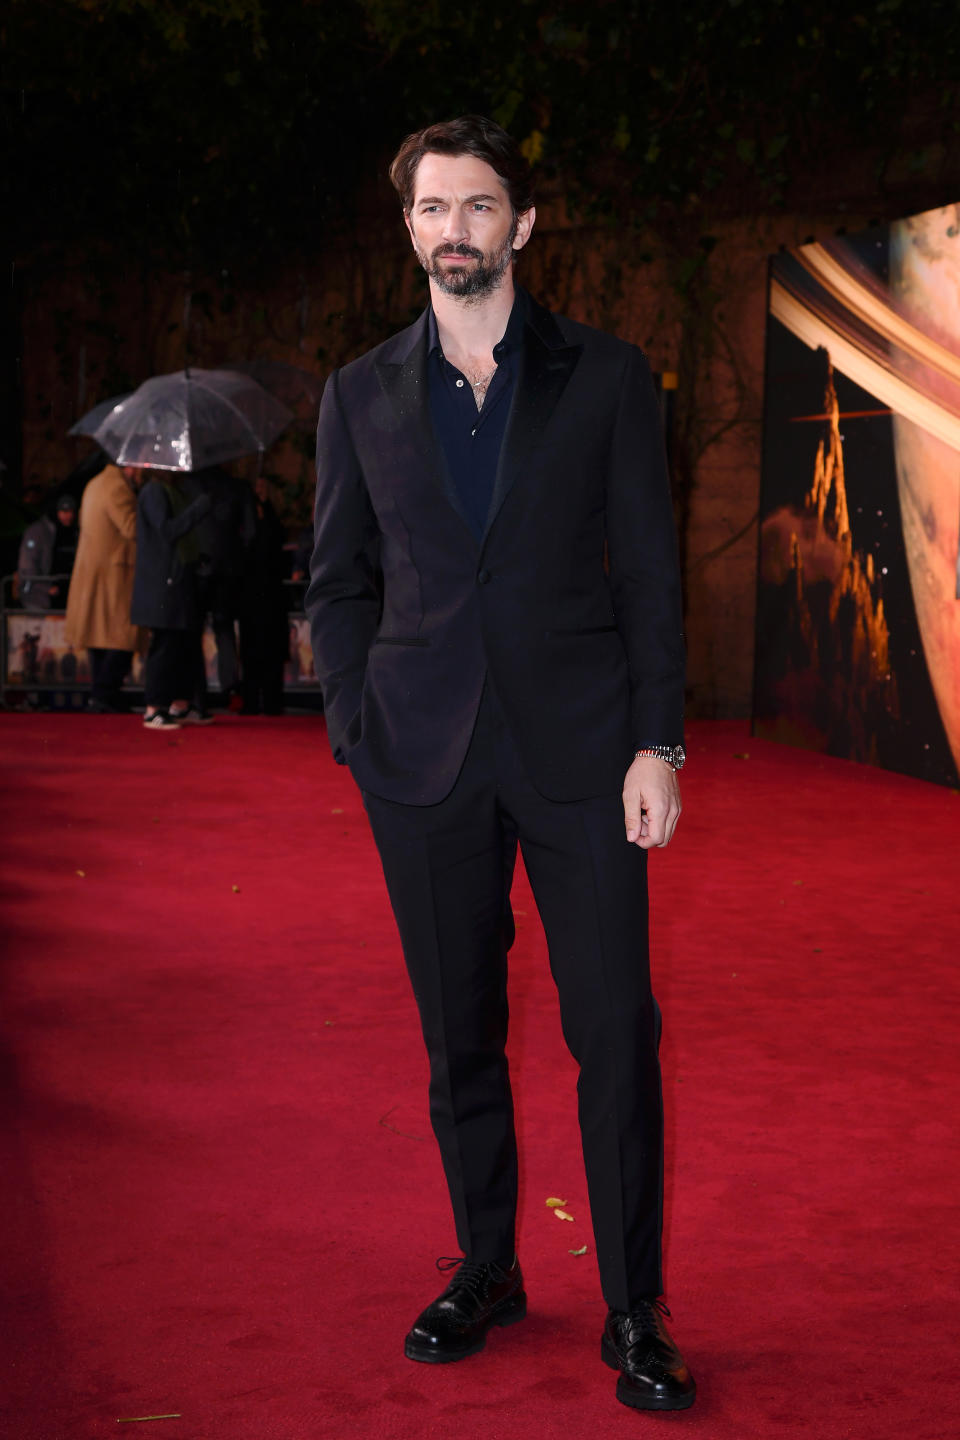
x,y
471,1275
644,1317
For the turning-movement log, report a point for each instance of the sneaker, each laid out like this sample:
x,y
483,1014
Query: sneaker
x,y
160,720
193,716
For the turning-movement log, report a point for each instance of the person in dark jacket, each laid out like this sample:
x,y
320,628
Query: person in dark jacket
x,y
264,637
518,681
222,537
47,553
165,598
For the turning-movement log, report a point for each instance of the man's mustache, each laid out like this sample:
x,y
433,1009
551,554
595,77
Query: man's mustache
x,y
467,251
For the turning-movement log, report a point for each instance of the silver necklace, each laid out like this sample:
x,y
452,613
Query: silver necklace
x,y
483,380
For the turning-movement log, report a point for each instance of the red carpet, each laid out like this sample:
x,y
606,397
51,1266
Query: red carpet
x,y
220,1194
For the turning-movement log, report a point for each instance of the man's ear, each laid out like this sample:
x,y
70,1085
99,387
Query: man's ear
x,y
525,223
409,225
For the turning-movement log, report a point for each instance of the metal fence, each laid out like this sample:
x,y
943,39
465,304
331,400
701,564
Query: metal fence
x,y
39,666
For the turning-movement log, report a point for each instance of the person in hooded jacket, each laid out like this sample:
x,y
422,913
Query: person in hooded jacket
x,y
47,554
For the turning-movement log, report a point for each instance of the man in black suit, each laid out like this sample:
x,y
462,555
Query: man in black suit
x,y
495,612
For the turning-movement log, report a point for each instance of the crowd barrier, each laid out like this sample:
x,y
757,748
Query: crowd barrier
x,y
39,666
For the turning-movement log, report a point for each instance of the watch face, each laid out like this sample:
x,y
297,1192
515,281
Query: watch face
x,y
679,756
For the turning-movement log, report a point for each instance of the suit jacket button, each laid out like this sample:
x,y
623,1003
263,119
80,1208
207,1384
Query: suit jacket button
x,y
484,577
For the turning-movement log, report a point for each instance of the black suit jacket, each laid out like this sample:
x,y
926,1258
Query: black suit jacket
x,y
571,601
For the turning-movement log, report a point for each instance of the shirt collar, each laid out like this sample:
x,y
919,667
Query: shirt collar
x,y
512,336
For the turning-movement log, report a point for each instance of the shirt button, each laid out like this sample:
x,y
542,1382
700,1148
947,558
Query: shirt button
x,y
459,384
473,432
484,577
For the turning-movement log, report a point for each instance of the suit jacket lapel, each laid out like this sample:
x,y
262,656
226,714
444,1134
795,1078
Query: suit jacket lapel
x,y
403,376
546,364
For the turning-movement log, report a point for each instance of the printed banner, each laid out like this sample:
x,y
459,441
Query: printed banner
x,y
858,616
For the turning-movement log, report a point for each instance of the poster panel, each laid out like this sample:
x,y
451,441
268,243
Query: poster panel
x,y
38,656
858,616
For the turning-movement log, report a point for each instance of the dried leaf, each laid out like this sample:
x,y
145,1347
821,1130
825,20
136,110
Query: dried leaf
x,y
553,1203
82,874
235,889
562,1215
581,1251
337,810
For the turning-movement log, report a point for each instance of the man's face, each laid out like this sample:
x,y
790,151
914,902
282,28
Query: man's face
x,y
67,516
462,225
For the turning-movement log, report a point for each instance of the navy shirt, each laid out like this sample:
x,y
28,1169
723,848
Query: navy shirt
x,y
471,439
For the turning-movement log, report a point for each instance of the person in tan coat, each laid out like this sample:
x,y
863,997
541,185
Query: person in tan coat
x,y
98,606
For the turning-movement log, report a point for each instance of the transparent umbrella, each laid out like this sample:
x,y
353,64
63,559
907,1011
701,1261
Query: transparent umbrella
x,y
191,419
88,424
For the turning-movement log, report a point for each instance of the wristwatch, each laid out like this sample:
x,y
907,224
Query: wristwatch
x,y
675,755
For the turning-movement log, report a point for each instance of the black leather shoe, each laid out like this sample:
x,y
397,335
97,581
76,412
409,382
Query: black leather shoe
x,y
652,1373
480,1294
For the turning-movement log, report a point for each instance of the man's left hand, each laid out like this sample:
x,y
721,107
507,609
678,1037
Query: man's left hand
x,y
651,802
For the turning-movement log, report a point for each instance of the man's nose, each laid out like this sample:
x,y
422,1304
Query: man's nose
x,y
455,227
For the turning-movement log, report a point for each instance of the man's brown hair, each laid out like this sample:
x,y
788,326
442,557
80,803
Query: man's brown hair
x,y
467,135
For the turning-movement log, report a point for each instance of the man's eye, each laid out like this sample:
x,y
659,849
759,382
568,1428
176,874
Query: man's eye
x,y
479,206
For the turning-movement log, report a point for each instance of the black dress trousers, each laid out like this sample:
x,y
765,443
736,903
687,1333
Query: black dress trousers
x,y
448,869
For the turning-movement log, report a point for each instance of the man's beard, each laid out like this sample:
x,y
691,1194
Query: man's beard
x,y
477,281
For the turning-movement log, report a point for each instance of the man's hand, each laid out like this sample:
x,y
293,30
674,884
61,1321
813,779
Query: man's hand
x,y
651,802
